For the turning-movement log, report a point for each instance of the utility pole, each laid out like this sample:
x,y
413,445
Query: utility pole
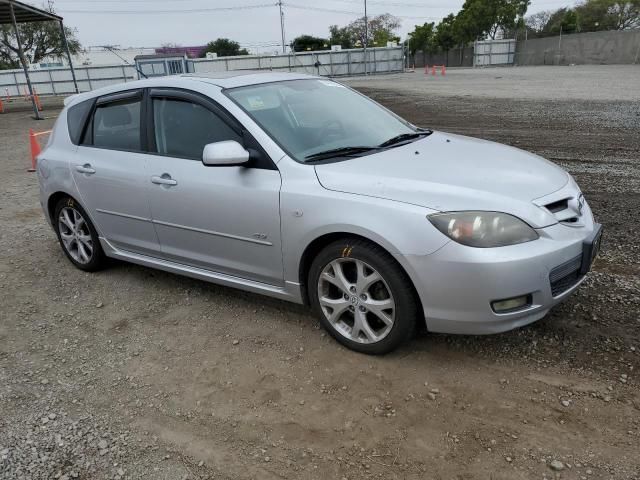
x,y
366,35
281,24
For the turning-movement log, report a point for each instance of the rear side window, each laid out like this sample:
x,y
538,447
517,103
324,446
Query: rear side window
x,y
76,118
183,128
117,126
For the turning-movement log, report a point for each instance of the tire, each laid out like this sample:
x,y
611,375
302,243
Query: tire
x,y
81,246
384,312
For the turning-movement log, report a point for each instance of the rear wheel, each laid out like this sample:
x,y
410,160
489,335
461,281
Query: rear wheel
x,y
362,296
78,236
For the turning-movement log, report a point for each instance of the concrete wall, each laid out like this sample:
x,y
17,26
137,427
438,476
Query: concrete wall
x,y
610,47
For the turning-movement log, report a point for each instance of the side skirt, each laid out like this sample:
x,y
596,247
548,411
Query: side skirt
x,y
290,292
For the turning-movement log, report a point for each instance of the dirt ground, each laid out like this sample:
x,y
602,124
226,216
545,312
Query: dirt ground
x,y
136,373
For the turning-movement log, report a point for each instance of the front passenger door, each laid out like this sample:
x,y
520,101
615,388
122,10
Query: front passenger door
x,y
226,218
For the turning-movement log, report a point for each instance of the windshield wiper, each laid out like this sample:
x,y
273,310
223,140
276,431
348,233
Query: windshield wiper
x,y
403,137
339,152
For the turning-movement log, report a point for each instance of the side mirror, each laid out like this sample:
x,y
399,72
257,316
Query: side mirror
x,y
224,154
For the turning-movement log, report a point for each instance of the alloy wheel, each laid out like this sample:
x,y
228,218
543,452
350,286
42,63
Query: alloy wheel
x,y
75,235
356,300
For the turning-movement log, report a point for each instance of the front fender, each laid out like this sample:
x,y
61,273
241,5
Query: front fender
x,y
400,228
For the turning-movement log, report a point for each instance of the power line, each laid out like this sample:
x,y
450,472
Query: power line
x,y
151,12
349,12
395,4
125,1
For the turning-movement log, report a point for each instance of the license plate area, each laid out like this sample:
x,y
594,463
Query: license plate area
x,y
590,249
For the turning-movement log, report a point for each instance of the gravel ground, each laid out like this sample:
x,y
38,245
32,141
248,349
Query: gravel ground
x,y
579,82
135,373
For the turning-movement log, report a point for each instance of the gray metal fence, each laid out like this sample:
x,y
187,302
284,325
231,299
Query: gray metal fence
x,y
456,57
493,52
58,81
327,63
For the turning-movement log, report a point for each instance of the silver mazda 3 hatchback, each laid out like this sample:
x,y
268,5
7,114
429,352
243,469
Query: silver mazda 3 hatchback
x,y
300,188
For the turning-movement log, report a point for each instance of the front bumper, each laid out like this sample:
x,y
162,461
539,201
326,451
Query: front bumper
x,y
457,284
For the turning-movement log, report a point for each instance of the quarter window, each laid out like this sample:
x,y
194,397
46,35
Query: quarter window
x,y
183,128
76,119
117,126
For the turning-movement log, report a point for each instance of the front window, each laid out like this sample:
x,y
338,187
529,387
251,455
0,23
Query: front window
x,y
307,117
182,128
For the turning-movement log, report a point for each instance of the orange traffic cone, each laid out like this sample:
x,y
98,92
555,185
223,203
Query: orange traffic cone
x,y
443,71
1,106
35,149
433,70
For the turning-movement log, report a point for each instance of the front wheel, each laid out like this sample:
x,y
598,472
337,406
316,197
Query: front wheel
x,y
362,296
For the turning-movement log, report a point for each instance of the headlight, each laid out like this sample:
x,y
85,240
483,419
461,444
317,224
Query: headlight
x,y
483,229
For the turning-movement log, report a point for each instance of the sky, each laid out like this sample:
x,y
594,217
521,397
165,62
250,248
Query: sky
x,y
196,22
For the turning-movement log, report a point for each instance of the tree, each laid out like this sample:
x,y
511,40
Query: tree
x,y
624,15
380,29
224,48
445,37
423,38
479,19
308,42
588,16
608,15
340,36
39,41
563,19
536,23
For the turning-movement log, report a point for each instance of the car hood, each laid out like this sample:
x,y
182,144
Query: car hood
x,y
447,172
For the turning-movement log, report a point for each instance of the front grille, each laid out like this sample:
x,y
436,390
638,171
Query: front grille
x,y
566,210
565,276
558,206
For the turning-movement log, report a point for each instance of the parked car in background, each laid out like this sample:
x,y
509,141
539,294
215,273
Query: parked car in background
x,y
300,188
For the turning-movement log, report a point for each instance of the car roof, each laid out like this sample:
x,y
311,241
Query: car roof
x,y
226,79
242,78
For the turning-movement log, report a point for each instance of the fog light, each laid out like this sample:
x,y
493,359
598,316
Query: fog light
x,y
511,304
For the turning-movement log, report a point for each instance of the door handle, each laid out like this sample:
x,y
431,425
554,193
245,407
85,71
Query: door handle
x,y
86,168
164,179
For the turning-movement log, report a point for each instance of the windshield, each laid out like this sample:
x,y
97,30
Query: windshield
x,y
307,117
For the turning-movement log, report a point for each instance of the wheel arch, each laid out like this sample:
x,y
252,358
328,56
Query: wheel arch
x,y
316,245
53,200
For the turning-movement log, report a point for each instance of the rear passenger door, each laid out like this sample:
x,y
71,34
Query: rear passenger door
x,y
110,172
224,218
